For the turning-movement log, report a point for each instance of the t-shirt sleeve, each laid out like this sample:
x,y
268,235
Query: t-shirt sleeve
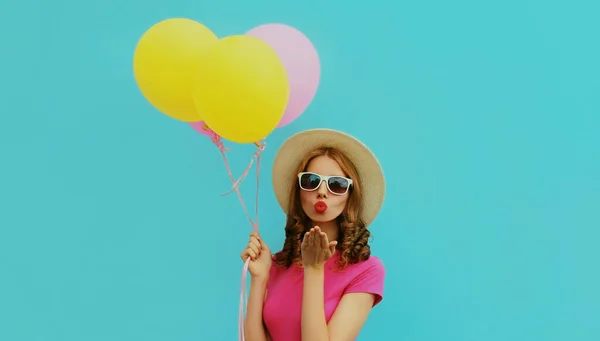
x,y
370,280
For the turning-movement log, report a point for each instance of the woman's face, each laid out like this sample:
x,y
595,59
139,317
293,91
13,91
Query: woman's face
x,y
313,202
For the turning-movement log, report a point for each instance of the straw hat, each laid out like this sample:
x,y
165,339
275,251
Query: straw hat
x,y
293,151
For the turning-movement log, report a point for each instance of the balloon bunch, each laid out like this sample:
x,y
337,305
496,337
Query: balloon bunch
x,y
238,88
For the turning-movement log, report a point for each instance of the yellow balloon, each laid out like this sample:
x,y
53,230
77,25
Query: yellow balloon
x,y
243,89
165,62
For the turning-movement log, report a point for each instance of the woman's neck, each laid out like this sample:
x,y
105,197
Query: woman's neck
x,y
331,228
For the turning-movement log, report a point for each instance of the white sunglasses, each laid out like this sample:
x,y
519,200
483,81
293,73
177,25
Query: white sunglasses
x,y
337,185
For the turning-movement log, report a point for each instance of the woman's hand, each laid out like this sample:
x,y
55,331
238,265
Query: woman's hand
x,y
316,248
260,257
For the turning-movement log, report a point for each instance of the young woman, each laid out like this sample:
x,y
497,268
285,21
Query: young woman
x,y
323,283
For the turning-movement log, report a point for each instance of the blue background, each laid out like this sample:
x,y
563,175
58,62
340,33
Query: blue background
x,y
485,116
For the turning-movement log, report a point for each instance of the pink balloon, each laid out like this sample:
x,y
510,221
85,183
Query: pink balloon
x,y
202,128
301,62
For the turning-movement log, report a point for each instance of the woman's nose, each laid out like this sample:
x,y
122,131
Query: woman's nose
x,y
322,191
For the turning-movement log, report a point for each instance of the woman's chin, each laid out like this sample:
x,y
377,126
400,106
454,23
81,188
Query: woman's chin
x,y
321,218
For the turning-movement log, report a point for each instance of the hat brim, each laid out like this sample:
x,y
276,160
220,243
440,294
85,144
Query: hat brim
x,y
293,151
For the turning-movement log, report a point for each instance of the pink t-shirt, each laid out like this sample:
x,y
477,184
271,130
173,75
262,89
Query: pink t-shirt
x,y
282,310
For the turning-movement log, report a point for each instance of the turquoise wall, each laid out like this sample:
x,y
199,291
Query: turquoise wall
x,y
485,116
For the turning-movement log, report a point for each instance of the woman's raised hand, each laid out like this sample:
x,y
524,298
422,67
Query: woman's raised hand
x,y
260,257
316,248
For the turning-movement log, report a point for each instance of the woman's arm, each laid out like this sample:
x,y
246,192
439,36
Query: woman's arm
x,y
348,319
314,326
254,326
350,316
354,307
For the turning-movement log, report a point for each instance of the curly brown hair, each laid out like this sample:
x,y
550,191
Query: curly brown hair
x,y
354,237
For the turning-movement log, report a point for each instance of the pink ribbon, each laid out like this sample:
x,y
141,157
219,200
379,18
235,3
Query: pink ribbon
x,y
254,223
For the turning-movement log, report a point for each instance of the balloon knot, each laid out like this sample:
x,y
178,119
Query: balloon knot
x,y
216,139
260,145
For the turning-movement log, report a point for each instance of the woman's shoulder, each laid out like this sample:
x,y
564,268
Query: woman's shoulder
x,y
373,264
373,261
370,269
367,276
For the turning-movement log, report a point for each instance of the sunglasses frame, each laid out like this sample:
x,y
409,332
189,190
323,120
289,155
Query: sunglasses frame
x,y
323,178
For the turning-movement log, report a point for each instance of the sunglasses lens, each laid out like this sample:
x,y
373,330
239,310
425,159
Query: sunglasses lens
x,y
338,185
310,181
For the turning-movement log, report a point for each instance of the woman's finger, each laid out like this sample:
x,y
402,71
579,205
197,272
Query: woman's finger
x,y
255,241
254,249
313,236
332,246
252,254
324,244
254,234
305,240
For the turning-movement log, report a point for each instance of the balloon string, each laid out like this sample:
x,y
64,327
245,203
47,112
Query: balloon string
x,y
216,139
241,326
236,183
243,297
